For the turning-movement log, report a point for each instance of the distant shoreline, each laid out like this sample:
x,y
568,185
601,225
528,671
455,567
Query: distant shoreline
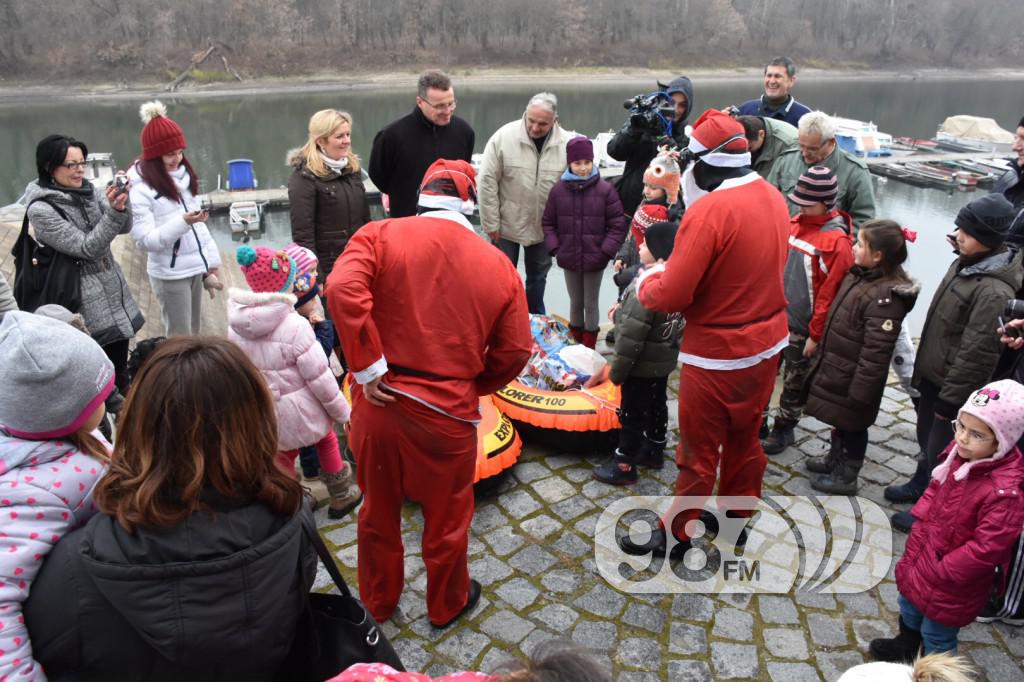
x,y
17,92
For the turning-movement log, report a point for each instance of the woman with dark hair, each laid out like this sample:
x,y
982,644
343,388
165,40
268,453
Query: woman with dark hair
x,y
75,218
196,566
169,224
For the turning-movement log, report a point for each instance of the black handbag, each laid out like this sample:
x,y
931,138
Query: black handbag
x,y
336,631
42,274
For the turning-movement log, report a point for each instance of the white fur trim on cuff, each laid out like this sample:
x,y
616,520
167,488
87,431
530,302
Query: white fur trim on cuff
x,y
377,369
647,272
246,297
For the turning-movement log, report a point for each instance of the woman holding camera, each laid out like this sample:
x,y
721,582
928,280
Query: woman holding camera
x,y
169,223
72,216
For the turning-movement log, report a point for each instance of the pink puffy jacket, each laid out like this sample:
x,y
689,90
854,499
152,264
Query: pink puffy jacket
x,y
282,344
964,529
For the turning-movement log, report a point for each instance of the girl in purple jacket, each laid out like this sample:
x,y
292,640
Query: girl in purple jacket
x,y
584,226
967,521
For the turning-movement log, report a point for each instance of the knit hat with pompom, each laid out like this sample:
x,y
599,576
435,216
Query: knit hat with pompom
x,y
266,270
160,135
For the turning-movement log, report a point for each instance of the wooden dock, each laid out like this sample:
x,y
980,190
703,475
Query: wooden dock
x,y
920,156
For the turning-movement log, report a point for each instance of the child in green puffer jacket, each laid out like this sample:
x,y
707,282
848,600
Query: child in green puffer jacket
x,y
646,352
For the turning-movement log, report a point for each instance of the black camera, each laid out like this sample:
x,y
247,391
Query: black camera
x,y
1014,309
652,113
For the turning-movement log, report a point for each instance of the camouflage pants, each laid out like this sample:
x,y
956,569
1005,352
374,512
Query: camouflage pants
x,y
794,372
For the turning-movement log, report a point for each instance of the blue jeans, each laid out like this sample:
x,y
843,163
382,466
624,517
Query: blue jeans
x,y
937,637
537,261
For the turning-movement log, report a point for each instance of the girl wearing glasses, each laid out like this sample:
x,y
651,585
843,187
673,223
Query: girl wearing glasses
x,y
74,217
967,522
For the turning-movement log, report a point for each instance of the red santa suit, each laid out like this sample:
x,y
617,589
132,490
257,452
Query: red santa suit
x,y
725,277
441,315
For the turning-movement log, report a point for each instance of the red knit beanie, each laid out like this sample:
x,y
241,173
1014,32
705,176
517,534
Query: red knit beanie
x,y
645,216
160,135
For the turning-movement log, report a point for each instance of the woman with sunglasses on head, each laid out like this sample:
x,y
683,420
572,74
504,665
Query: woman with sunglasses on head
x,y
76,218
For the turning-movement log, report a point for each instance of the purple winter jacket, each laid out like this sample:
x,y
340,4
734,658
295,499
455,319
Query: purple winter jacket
x,y
584,225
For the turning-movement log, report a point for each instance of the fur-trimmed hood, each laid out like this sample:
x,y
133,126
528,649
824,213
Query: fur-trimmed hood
x,y
295,158
255,315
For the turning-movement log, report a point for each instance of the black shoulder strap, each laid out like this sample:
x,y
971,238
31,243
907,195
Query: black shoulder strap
x,y
24,221
313,535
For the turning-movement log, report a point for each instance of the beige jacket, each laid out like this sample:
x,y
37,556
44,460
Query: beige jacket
x,y
514,181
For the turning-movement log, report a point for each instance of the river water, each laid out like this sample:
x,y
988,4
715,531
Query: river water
x,y
264,127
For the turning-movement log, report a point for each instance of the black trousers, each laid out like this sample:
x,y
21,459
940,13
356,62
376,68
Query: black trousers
x,y
118,354
643,413
933,434
855,443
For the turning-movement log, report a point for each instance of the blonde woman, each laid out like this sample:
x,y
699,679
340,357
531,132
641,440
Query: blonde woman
x,y
326,192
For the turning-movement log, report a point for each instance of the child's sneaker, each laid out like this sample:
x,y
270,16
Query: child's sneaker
x,y
990,613
616,471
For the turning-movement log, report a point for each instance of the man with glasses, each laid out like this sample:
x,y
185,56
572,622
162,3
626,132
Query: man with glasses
x,y
522,162
817,147
404,149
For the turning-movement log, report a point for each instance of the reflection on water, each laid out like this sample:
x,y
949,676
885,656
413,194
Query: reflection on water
x,y
263,128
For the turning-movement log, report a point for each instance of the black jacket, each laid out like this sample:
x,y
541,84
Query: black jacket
x,y
215,598
403,151
1011,186
637,148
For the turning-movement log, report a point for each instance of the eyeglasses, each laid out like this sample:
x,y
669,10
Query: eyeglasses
x,y
814,148
973,436
72,165
443,106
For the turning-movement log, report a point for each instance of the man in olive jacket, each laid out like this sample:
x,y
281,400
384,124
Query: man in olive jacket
x,y
768,139
817,147
522,162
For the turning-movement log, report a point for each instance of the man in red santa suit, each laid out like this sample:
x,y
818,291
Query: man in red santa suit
x,y
725,277
431,316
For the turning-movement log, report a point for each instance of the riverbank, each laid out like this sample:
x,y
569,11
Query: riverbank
x,y
19,92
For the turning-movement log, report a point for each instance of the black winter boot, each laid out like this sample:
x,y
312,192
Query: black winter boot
x,y
780,437
619,470
912,489
826,463
651,453
900,649
842,480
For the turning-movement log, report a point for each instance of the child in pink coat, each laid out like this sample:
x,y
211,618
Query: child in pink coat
x,y
281,343
54,381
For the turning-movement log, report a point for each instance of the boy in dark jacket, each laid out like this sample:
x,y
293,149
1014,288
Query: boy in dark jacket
x,y
646,348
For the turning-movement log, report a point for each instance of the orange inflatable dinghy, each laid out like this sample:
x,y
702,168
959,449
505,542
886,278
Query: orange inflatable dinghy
x,y
571,421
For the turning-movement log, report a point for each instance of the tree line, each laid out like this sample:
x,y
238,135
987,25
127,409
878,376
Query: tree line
x,y
143,40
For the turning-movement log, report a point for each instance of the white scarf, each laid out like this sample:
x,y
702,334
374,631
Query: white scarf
x,y
334,164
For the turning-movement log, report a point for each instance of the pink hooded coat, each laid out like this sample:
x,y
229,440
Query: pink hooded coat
x,y
282,344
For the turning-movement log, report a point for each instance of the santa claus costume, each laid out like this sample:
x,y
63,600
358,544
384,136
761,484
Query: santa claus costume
x,y
431,316
725,277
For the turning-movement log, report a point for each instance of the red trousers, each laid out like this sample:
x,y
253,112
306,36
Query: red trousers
x,y
719,418
408,451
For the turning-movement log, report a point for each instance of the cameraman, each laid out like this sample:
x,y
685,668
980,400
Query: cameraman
x,y
637,143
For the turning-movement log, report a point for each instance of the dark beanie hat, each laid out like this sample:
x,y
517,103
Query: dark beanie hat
x,y
579,149
659,239
987,219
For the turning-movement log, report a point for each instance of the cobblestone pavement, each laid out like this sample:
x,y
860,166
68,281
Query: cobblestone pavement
x,y
531,548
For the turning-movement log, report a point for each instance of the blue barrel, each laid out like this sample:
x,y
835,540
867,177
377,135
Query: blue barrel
x,y
241,174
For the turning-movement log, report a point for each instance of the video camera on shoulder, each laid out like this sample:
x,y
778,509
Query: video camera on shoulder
x,y
651,113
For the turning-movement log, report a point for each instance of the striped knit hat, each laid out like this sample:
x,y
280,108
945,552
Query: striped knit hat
x,y
816,184
305,268
645,216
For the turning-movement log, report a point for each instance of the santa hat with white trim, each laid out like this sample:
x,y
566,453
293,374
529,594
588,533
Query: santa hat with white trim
x,y
450,185
718,140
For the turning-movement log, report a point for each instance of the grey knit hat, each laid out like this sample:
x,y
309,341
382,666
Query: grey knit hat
x,y
52,377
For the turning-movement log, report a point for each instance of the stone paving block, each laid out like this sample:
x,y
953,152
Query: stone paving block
x,y
905,445
541,526
518,593
558,616
827,630
732,661
412,651
697,607
687,640
595,634
792,672
475,546
777,609
903,465
349,556
425,631
535,638
646,617
888,594
1012,637
520,504
634,676
488,570
553,489
859,604
602,601
832,665
562,581
733,624
532,560
487,517
884,419
579,474
507,626
529,471
587,525
504,540
637,652
572,507
494,657
877,473
572,545
689,671
342,536
556,462
739,599
787,643
463,647
997,666
866,630
595,490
